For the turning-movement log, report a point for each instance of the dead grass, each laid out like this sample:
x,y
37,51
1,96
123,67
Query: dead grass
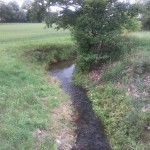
x,y
63,126
61,122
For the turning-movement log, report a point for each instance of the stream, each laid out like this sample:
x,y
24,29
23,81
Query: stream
x,y
90,132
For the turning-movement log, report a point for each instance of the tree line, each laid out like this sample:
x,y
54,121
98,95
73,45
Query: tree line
x,y
11,12
28,12
38,11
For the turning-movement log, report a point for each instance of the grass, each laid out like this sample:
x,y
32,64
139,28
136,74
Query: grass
x,y
28,95
120,97
141,39
115,72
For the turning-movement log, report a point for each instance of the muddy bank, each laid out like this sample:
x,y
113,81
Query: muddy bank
x,y
90,132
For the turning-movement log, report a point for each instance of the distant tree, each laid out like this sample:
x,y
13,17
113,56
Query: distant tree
x,y
17,14
11,12
14,6
50,18
27,4
27,7
37,11
146,15
5,12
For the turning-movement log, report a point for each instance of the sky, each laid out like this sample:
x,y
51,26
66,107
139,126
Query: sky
x,y
21,1
18,1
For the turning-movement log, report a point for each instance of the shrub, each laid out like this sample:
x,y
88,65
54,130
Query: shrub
x,y
89,62
52,53
132,26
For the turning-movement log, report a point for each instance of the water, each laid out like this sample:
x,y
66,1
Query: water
x,y
90,133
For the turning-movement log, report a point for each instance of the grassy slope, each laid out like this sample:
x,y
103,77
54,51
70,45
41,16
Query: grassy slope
x,y
26,98
121,97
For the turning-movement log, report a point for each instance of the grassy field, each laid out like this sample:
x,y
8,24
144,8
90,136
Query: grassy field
x,y
28,95
120,94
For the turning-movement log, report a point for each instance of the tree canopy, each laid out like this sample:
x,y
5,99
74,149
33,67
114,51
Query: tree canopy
x,y
96,26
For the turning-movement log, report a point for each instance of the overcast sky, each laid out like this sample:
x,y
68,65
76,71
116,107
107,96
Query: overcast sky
x,y
21,1
18,1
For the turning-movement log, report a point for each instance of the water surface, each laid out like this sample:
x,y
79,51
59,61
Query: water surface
x,y
90,133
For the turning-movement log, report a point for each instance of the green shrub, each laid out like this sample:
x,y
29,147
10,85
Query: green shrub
x,y
132,26
115,49
52,53
89,62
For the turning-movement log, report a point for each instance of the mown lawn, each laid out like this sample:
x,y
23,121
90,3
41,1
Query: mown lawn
x,y
28,95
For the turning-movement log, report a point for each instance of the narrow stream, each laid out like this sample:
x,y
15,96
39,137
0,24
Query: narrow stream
x,y
90,133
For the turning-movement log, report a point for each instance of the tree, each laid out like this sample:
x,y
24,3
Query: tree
x,y
27,7
96,27
14,6
6,12
11,12
146,15
27,4
36,12
50,18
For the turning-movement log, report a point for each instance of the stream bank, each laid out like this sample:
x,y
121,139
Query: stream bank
x,y
120,96
90,132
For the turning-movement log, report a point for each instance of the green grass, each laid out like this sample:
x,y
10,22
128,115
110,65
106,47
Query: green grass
x,y
121,97
27,99
141,39
22,34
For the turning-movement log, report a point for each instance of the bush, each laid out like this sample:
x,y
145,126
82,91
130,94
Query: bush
x,y
89,62
132,26
52,53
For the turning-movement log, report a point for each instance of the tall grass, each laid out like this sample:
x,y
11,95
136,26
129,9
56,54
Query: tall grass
x,y
141,39
26,98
